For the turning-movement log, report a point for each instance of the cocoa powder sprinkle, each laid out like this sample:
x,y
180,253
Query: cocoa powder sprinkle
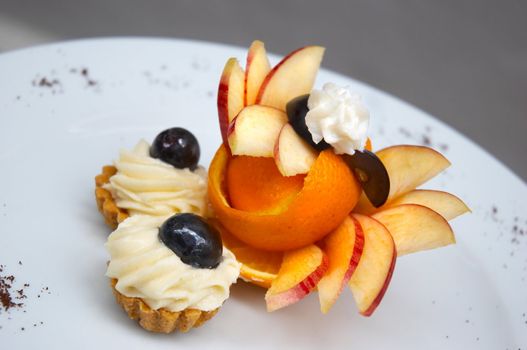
x,y
424,138
8,294
6,283
85,73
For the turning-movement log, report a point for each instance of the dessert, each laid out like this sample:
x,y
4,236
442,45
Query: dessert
x,y
158,180
168,268
299,201
300,197
169,273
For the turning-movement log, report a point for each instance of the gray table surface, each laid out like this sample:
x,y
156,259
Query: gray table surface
x,y
465,62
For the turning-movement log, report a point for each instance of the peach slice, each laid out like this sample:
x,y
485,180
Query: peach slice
x,y
231,92
330,191
372,276
293,155
343,248
254,131
256,70
292,77
445,204
415,228
299,274
408,167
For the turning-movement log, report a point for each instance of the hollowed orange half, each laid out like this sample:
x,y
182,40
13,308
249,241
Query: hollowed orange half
x,y
329,193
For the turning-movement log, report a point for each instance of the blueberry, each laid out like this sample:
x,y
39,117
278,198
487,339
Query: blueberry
x,y
193,240
296,113
178,147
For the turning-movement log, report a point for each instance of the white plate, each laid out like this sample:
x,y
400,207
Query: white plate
x,y
54,140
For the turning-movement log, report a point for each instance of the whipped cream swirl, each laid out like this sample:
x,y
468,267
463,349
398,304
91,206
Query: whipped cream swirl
x,y
339,117
145,185
145,268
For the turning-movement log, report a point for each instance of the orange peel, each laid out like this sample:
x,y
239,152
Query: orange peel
x,y
259,267
329,194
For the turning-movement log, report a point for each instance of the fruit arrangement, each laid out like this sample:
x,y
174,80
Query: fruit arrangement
x,y
298,212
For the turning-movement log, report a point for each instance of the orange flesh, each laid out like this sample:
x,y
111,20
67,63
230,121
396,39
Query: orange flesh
x,y
255,185
368,144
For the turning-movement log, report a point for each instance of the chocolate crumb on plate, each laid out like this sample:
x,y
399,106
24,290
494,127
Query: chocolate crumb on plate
x,y
85,74
426,140
8,292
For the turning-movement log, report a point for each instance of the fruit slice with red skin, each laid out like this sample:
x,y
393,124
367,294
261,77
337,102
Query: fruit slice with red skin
x,y
231,92
374,272
254,131
256,70
408,167
299,274
415,228
445,204
292,77
343,248
293,155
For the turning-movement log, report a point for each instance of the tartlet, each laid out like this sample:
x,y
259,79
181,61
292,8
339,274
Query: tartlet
x,y
162,287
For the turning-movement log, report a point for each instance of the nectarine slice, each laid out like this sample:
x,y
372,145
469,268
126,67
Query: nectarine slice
x,y
415,228
343,248
292,77
299,274
374,271
445,204
254,131
231,93
292,154
256,70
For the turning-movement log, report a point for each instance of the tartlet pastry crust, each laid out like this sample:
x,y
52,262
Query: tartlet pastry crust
x,y
113,215
162,320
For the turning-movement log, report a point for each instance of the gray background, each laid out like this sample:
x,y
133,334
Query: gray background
x,y
463,61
